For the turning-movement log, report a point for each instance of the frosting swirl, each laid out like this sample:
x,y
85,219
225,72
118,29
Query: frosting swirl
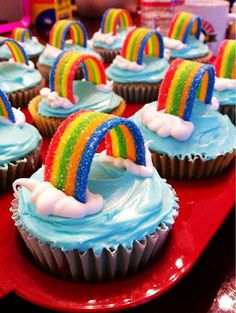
x,y
32,48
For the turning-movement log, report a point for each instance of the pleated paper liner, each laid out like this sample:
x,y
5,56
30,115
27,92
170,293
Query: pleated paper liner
x,y
21,98
204,59
88,266
192,167
107,55
48,125
24,167
229,110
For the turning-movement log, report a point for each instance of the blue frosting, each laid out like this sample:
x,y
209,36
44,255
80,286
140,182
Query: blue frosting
x,y
130,212
195,49
31,47
15,77
117,43
213,135
49,60
89,99
17,141
226,97
153,72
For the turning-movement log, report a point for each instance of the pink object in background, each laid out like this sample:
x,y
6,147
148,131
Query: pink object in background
x,y
7,8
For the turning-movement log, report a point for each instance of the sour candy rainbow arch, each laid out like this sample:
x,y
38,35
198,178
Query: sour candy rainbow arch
x,y
21,34
64,70
5,108
225,65
184,81
142,41
183,25
112,18
62,28
75,142
17,51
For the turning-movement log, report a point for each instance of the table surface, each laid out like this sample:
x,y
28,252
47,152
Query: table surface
x,y
208,288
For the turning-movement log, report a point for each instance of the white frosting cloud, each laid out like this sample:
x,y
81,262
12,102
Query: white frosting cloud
x,y
19,117
166,124
214,104
51,51
224,83
105,87
131,167
104,38
54,100
49,200
28,67
122,63
173,43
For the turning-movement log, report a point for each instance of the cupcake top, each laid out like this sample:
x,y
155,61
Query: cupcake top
x,y
141,60
66,96
115,25
19,73
17,137
58,41
183,39
185,121
30,43
225,83
82,200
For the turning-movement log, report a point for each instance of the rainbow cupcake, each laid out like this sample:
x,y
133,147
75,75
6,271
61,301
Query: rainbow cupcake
x,y
33,48
184,39
58,41
90,216
139,70
188,137
66,96
19,145
225,84
19,79
108,41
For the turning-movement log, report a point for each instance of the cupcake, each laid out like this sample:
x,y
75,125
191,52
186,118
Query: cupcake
x,y
184,39
19,145
19,79
58,41
225,84
139,70
66,96
83,216
33,48
189,137
108,41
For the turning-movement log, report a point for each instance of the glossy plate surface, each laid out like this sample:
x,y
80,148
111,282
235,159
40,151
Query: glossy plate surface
x,y
203,207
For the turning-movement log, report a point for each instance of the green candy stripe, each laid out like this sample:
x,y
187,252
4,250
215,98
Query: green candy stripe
x,y
133,45
179,26
65,161
57,36
122,142
176,101
92,69
61,75
231,60
1,110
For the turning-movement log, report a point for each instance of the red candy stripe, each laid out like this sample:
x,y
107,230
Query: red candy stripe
x,y
172,24
220,57
125,45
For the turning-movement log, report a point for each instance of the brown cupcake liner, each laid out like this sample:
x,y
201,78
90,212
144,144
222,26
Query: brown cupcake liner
x,y
21,98
204,59
192,167
48,125
24,167
107,55
229,110
45,72
137,92
88,266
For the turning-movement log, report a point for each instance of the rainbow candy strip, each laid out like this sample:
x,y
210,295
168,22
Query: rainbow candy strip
x,y
142,41
61,29
183,25
75,142
64,70
225,65
17,51
21,34
5,108
112,18
184,81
